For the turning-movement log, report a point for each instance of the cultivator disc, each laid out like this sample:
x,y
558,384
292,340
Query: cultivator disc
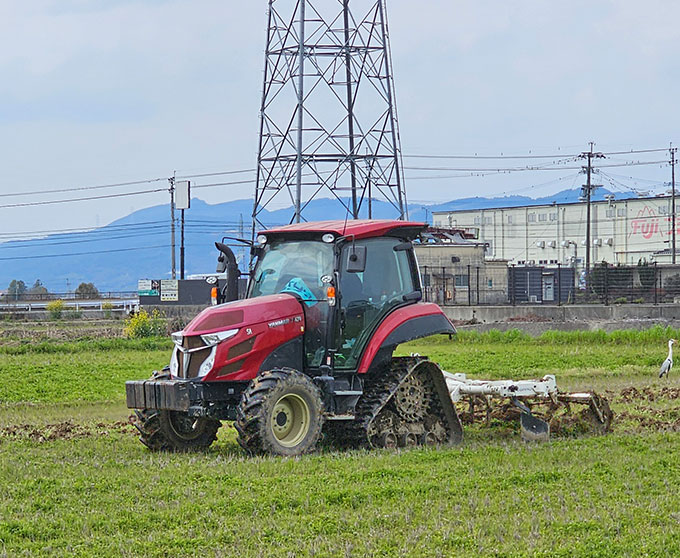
x,y
538,404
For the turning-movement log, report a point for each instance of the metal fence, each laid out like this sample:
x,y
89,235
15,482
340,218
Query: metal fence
x,y
514,285
621,284
464,285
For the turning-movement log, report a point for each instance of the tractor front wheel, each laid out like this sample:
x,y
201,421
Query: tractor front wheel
x,y
175,430
280,413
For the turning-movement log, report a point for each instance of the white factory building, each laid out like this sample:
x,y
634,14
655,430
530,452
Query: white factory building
x,y
622,231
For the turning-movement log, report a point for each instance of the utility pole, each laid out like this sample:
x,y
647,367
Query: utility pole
x,y
589,156
181,246
673,150
172,224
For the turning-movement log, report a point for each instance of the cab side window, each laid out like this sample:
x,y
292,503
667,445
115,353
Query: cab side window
x,y
369,295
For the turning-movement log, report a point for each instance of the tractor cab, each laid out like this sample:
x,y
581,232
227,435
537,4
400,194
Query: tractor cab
x,y
346,285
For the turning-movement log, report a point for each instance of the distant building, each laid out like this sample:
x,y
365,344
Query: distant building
x,y
454,269
622,231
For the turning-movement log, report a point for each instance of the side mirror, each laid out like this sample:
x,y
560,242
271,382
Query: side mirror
x,y
221,263
356,259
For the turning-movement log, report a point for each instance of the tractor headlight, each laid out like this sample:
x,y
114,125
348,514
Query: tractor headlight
x,y
174,362
177,338
211,339
208,363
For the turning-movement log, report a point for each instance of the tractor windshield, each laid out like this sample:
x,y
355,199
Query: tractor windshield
x,y
293,266
299,267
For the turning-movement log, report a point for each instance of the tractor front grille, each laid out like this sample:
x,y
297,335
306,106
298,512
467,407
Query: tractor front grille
x,y
190,356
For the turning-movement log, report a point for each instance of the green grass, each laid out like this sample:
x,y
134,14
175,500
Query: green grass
x,y
52,373
104,495
74,480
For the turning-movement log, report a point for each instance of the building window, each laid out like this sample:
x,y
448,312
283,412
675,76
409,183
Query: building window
x,y
487,220
553,262
621,212
478,221
509,219
553,216
520,262
663,210
489,283
610,213
542,262
543,217
461,280
531,218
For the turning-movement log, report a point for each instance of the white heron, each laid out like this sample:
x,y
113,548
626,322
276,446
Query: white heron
x,y
668,363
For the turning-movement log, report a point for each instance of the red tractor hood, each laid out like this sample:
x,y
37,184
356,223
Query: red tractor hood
x,y
242,313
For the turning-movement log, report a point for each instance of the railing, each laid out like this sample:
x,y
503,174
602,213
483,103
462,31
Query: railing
x,y
120,301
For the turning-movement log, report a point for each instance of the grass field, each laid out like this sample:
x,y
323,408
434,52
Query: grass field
x,y
74,480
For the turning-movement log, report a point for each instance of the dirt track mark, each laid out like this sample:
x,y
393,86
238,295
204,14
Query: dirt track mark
x,y
633,394
65,430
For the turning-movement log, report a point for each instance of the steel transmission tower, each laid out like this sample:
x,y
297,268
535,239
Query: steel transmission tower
x,y
328,122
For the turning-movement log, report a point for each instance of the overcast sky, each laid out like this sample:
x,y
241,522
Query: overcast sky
x,y
101,91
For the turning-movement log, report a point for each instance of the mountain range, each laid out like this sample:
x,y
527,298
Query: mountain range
x,y
115,256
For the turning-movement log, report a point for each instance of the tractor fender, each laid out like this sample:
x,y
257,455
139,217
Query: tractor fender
x,y
404,324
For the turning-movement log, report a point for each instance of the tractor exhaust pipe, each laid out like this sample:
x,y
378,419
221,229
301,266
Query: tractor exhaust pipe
x,y
226,261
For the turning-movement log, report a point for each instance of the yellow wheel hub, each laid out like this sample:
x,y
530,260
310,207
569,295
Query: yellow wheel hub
x,y
290,420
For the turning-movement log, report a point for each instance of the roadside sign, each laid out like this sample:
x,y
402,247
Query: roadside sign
x,y
169,290
147,287
182,194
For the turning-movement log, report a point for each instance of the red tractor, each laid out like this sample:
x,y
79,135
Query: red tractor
x,y
309,349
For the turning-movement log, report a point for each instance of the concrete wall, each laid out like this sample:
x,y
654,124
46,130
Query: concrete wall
x,y
566,313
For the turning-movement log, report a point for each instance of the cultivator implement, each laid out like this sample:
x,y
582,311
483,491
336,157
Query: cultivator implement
x,y
539,404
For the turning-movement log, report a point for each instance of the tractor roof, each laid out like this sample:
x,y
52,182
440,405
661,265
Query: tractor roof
x,y
360,228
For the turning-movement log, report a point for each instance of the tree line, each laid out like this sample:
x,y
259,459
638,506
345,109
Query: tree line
x,y
18,290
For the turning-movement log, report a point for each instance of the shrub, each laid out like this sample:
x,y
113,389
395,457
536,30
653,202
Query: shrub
x,y
107,308
143,324
55,308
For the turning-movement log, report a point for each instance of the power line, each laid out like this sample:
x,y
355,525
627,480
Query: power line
x,y
114,227
221,173
81,188
89,198
535,168
499,157
490,157
94,252
85,253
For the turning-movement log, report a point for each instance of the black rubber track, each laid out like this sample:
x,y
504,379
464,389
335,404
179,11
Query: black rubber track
x,y
379,387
